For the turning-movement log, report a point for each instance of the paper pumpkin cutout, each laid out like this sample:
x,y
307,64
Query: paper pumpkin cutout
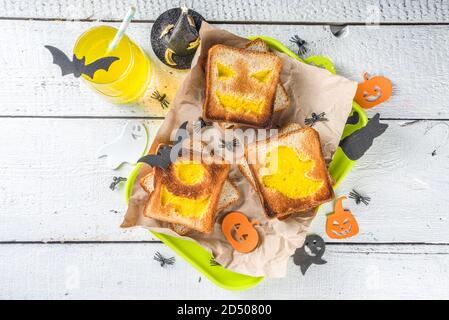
x,y
310,253
373,91
78,66
128,147
341,223
240,232
356,144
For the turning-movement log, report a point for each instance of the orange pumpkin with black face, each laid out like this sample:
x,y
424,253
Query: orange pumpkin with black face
x,y
240,232
341,224
373,91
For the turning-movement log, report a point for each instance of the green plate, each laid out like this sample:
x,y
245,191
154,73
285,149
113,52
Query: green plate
x,y
200,258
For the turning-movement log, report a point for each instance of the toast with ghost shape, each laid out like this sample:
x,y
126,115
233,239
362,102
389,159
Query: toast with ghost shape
x,y
290,173
241,86
188,191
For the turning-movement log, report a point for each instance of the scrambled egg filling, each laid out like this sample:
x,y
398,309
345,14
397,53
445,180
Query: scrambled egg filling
x,y
224,72
288,173
189,172
240,104
191,208
262,75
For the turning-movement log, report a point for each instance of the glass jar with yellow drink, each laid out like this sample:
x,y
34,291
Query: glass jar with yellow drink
x,y
127,78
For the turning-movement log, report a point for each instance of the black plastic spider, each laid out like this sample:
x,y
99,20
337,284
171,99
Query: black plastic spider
x,y
302,44
315,118
162,260
115,182
162,98
359,198
213,263
230,145
200,124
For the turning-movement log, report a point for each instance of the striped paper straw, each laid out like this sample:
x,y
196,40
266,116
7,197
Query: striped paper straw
x,y
123,26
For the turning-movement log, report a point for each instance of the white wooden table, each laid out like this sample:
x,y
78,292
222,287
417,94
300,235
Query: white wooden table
x,y
59,222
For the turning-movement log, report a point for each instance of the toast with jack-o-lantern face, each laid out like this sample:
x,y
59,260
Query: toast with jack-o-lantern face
x,y
187,192
241,86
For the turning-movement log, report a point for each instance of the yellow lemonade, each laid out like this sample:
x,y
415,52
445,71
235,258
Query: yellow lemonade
x,y
127,78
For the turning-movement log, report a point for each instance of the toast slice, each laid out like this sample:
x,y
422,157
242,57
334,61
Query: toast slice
x,y
187,192
290,173
281,99
230,194
243,164
241,86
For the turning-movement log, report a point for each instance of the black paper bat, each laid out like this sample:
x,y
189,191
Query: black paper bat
x,y
78,66
161,159
166,154
310,253
355,145
354,119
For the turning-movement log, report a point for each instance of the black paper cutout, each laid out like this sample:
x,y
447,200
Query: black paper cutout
x,y
354,118
310,253
161,159
355,145
166,154
78,66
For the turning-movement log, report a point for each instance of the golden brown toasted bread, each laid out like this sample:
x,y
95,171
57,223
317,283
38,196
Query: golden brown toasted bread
x,y
281,99
187,192
290,173
241,86
229,195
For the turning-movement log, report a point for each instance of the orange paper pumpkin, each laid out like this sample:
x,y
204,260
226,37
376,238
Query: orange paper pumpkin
x,y
373,91
341,223
240,232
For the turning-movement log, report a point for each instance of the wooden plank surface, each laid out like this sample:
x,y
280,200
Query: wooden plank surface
x,y
53,188
128,271
300,11
409,55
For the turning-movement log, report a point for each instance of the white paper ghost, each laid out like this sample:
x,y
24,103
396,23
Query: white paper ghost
x,y
128,147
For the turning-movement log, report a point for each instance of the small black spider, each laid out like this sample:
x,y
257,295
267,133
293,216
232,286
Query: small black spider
x,y
115,182
162,98
359,198
315,118
162,260
213,263
302,44
200,124
230,145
